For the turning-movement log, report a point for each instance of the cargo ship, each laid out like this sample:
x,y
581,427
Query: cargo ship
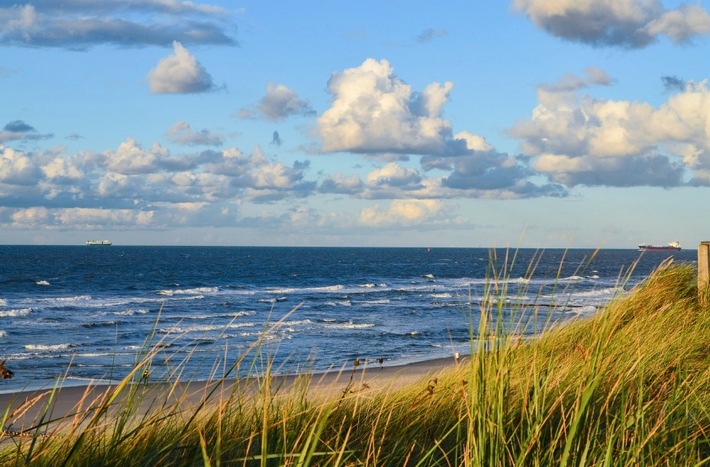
x,y
98,242
672,246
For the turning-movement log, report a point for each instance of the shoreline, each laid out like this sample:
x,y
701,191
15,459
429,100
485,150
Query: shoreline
x,y
62,407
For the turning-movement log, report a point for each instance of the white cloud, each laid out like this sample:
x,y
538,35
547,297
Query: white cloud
x,y
62,170
580,140
280,102
16,167
131,158
682,24
400,213
182,133
373,111
179,73
393,174
626,23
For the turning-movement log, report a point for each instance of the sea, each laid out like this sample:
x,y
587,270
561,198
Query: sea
x,y
73,315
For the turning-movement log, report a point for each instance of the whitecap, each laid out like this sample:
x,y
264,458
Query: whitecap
x,y
289,290
42,283
194,291
15,313
131,312
441,295
47,348
3,333
369,303
349,325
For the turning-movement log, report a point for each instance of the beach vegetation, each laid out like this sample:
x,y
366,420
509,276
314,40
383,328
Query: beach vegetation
x,y
629,385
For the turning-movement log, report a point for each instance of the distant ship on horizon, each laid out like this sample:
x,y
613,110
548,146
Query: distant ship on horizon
x,y
672,246
98,242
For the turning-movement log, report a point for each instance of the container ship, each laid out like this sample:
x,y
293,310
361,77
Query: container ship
x,y
672,246
98,242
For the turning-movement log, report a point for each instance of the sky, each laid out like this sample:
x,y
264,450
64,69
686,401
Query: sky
x,y
521,123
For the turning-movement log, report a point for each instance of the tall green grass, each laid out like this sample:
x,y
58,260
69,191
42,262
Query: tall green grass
x,y
629,386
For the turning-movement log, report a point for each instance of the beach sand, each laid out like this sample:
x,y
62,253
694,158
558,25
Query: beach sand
x,y
58,410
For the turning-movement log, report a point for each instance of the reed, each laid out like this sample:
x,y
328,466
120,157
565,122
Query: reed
x,y
628,386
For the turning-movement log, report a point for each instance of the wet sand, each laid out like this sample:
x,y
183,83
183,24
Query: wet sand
x,y
56,410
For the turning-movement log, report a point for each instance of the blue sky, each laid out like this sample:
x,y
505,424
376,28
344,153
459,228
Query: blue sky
x,y
536,123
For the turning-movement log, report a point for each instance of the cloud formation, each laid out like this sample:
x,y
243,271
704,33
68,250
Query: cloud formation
x,y
373,111
19,130
578,140
400,213
78,24
623,23
280,102
146,186
179,73
182,133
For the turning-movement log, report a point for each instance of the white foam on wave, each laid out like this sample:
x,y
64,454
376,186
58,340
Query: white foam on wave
x,y
349,325
193,291
441,295
204,328
3,333
339,303
131,312
3,302
291,290
47,348
15,313
383,301
42,283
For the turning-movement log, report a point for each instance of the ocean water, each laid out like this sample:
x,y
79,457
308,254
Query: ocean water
x,y
86,313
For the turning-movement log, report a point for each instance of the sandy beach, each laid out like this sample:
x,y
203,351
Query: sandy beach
x,y
57,410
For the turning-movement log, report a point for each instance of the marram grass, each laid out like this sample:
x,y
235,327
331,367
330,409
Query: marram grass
x,y
629,386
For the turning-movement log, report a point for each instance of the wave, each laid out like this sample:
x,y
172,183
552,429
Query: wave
x,y
193,291
204,328
338,303
42,283
292,290
383,301
48,347
3,333
349,325
441,295
97,324
15,313
131,312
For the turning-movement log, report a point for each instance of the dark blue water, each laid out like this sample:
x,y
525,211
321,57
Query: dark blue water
x,y
85,313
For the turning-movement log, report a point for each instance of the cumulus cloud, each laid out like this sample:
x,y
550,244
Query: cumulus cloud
x,y
400,213
78,24
340,183
580,140
17,168
182,133
141,186
179,73
279,103
373,111
624,23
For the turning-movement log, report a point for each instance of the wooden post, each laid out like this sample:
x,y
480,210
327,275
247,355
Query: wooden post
x,y
704,272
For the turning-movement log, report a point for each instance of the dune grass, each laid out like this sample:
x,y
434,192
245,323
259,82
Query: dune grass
x,y
628,386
